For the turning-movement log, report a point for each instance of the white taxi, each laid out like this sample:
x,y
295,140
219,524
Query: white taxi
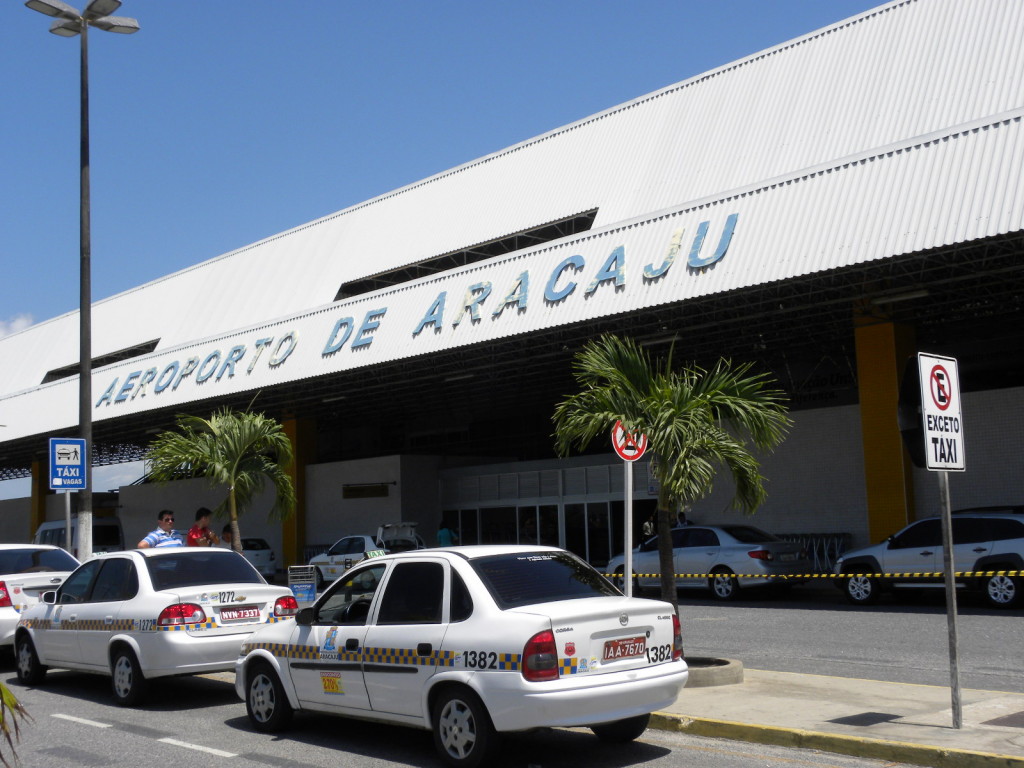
x,y
26,571
470,642
148,613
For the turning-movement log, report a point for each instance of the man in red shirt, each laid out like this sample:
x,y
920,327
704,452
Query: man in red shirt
x,y
200,535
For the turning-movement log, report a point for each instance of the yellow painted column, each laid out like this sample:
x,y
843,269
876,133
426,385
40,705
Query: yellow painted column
x,y
302,435
882,350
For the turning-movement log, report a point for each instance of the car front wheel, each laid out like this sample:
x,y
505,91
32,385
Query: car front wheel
x,y
862,590
30,671
265,699
463,733
723,585
127,681
1002,591
622,731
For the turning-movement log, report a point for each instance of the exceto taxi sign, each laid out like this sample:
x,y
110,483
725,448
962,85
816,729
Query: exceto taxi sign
x,y
940,412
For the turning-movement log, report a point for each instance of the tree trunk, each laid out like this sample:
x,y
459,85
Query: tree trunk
x,y
665,560
236,536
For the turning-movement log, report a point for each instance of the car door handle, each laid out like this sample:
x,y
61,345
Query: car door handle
x,y
351,644
927,553
56,580
981,549
424,649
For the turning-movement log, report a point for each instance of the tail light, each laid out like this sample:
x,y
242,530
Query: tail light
x,y
286,606
677,638
760,554
181,615
5,597
540,658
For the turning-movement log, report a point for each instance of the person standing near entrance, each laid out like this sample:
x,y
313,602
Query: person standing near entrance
x,y
446,537
200,535
164,535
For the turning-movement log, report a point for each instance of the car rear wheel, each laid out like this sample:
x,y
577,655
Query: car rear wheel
x,y
723,585
319,579
620,581
463,733
862,590
30,671
622,731
265,701
127,681
1003,591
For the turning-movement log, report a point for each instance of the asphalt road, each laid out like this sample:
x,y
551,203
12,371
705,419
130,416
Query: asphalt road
x,y
904,638
198,722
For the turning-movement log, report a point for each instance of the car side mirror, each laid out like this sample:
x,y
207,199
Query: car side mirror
x,y
304,618
49,597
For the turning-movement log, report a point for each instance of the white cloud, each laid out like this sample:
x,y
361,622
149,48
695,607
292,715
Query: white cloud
x,y
15,324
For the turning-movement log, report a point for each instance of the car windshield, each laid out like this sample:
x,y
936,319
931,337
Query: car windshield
x,y
527,578
214,566
748,534
31,560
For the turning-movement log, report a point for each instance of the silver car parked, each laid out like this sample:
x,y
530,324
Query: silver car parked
x,y
722,558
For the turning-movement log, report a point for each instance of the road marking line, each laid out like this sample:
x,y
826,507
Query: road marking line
x,y
198,748
83,721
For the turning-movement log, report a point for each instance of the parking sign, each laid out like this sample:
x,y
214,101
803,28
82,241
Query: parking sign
x,y
940,412
67,464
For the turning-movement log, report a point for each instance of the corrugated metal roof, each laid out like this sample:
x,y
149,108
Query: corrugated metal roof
x,y
839,110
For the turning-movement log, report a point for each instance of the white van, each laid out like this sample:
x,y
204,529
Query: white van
x,y
107,535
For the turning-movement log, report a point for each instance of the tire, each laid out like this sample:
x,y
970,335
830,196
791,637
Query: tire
x,y
126,679
318,580
622,731
620,581
723,585
1003,591
862,590
265,700
463,733
30,671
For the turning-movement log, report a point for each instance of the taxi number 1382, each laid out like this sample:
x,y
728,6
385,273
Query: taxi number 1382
x,y
480,659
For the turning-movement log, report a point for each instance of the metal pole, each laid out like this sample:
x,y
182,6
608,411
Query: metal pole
x,y
627,531
947,567
68,543
85,312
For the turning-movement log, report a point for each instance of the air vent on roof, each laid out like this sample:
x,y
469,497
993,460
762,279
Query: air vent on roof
x,y
526,238
97,362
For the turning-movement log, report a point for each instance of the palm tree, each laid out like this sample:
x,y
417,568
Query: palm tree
x,y
238,449
11,711
696,422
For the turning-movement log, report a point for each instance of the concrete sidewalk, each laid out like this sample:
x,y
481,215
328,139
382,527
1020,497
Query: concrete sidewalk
x,y
867,718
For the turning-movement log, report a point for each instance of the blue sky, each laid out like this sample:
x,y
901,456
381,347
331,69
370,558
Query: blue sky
x,y
221,123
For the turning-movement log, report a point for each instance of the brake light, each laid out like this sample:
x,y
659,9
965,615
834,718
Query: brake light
x,y
181,615
760,554
540,657
677,638
5,598
286,606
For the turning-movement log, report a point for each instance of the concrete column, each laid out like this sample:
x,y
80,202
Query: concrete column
x,y
882,349
40,490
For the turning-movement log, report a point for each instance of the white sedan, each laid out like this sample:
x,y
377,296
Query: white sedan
x,y
26,571
148,613
470,642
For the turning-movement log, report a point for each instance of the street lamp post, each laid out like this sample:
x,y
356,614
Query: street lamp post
x,y
68,23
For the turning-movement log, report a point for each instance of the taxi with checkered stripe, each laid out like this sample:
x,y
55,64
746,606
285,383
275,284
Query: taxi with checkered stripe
x,y
148,613
470,643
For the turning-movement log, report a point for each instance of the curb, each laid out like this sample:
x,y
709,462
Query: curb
x,y
706,672
893,751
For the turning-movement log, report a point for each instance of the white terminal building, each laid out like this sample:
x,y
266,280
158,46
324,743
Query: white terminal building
x,y
825,209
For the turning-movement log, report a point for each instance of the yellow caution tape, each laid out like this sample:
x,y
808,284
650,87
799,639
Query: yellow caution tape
x,y
795,576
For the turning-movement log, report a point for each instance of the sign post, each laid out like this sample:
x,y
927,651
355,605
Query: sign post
x,y
629,446
942,421
67,473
